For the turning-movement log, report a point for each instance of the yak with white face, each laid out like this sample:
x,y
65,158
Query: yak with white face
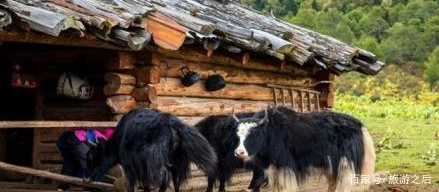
x,y
251,138
296,147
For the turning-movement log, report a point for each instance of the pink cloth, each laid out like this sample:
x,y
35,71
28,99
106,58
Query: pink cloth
x,y
81,134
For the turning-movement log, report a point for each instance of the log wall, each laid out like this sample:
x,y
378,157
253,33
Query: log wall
x,y
155,81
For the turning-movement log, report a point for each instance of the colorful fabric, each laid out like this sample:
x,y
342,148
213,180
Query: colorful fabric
x,y
92,135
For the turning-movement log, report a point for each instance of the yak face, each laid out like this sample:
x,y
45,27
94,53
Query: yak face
x,y
251,135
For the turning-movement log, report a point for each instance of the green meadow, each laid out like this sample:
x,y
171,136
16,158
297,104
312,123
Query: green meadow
x,y
404,134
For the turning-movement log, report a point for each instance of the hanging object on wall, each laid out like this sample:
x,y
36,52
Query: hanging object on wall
x,y
189,77
22,80
70,85
215,82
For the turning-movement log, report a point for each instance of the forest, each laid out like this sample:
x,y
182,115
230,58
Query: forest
x,y
402,33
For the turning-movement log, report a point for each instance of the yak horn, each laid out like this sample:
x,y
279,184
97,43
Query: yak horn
x,y
265,117
234,115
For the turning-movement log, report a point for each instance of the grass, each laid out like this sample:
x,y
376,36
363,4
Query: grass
x,y
403,146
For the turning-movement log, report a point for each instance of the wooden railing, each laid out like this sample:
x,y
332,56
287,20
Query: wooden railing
x,y
57,124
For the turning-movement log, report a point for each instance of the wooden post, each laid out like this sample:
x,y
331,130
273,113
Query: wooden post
x,y
148,74
275,96
282,92
293,103
301,102
39,106
121,60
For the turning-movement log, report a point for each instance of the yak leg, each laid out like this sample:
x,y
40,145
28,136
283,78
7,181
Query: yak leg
x,y
258,180
210,182
164,184
131,182
346,172
176,182
222,186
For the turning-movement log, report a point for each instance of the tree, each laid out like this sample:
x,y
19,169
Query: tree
x,y
369,43
432,68
418,9
353,19
430,37
373,23
304,18
401,44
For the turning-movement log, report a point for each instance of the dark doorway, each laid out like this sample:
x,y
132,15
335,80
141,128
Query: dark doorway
x,y
16,103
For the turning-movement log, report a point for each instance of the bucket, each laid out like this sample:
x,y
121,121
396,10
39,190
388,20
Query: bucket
x,y
70,85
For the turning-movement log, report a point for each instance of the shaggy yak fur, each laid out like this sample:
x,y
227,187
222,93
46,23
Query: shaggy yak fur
x,y
152,146
296,147
214,130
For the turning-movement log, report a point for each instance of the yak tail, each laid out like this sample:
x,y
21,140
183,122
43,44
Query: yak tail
x,y
368,167
195,148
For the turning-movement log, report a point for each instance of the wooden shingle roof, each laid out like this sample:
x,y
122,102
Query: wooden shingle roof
x,y
209,23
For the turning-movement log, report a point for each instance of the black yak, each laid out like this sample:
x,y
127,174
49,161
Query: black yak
x,y
214,130
152,146
296,147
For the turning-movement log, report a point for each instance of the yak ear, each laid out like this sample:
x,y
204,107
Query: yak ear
x,y
263,120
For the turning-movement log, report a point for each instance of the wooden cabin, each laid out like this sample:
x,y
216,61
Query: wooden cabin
x,y
134,53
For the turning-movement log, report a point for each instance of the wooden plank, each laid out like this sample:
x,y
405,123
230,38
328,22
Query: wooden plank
x,y
76,113
29,37
227,59
56,124
50,157
172,68
173,87
203,107
53,176
47,148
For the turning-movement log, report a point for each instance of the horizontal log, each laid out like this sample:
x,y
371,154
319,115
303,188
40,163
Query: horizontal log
x,y
76,113
119,90
174,87
202,107
171,68
27,37
53,176
121,104
227,59
119,84
147,93
56,124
